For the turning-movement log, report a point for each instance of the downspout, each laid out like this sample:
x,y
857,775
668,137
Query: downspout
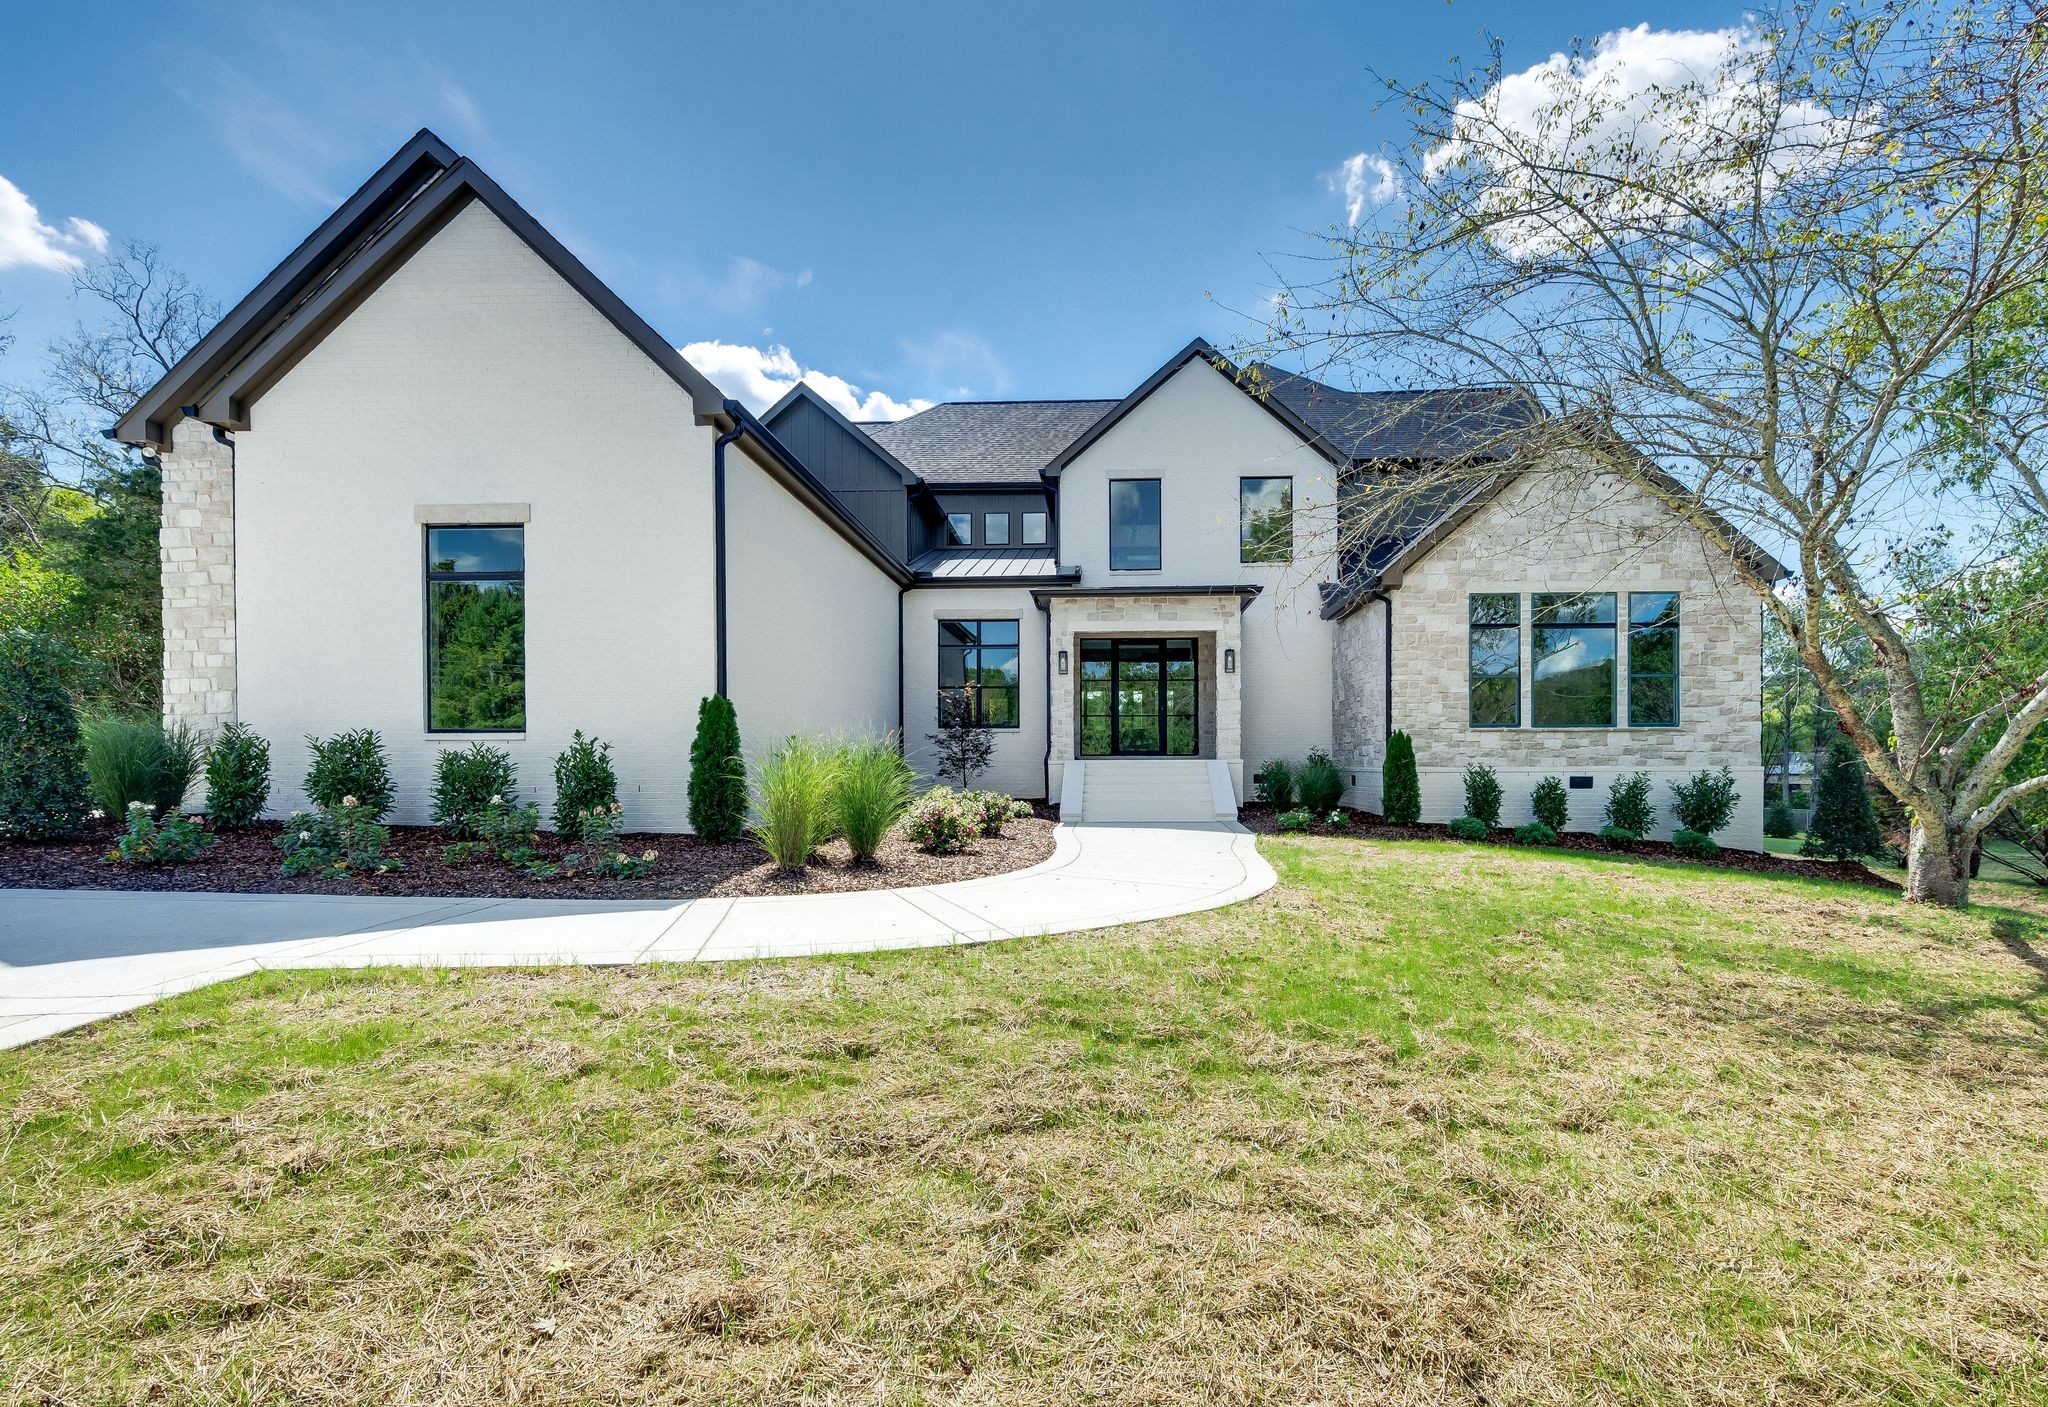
x,y
718,536
902,719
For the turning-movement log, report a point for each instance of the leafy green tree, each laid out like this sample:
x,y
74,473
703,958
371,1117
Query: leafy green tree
x,y
43,782
1787,294
718,773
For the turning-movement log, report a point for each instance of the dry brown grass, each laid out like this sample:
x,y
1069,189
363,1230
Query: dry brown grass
x,y
1424,1125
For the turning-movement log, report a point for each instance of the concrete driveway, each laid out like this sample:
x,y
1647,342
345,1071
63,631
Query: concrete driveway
x,y
69,957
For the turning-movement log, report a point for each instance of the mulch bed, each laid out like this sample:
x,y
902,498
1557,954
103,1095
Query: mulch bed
x,y
1365,825
246,862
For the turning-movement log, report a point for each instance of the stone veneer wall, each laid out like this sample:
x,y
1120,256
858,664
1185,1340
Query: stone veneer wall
x,y
197,554
1359,718
1551,533
1165,614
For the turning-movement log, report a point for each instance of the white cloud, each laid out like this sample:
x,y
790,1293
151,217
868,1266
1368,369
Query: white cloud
x,y
759,377
1352,180
1656,103
26,240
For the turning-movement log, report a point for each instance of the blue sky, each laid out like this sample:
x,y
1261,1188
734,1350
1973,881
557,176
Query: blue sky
x,y
932,201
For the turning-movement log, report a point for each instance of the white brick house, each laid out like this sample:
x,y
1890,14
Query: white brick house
x,y
432,477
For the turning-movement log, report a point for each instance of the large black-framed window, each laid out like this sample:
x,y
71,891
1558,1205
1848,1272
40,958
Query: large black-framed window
x,y
1653,659
995,529
476,629
1034,528
1134,525
1572,659
1265,520
959,530
978,671
1495,661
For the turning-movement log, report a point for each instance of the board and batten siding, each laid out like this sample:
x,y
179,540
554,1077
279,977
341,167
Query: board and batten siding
x,y
477,376
1199,433
1551,532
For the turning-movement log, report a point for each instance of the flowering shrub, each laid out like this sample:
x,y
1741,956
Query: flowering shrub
x,y
992,810
351,766
602,854
584,782
336,841
467,782
1297,820
147,841
1338,820
942,822
502,830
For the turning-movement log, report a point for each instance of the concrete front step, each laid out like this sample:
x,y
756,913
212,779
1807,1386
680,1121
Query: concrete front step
x,y
1153,789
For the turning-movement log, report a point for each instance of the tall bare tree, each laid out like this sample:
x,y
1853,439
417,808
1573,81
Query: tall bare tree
x,y
1787,287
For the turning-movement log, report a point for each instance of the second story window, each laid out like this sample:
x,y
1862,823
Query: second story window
x,y
1265,520
1134,525
995,529
959,530
1034,526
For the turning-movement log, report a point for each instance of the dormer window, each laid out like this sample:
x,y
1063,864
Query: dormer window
x,y
959,530
1034,526
995,529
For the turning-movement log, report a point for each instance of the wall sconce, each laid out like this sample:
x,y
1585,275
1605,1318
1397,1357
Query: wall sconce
x,y
1230,661
1063,661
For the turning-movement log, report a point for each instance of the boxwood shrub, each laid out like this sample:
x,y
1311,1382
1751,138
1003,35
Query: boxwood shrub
x,y
1469,828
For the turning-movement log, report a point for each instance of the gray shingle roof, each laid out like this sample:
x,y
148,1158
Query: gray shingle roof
x,y
1381,425
986,442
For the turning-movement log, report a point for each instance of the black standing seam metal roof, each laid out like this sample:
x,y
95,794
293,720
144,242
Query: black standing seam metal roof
x,y
985,442
994,564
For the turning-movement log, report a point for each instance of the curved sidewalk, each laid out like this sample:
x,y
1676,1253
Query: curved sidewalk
x,y
69,957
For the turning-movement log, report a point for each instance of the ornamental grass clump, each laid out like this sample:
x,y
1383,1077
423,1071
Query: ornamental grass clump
x,y
350,768
336,842
141,759
148,841
584,783
468,783
941,823
870,793
237,777
793,790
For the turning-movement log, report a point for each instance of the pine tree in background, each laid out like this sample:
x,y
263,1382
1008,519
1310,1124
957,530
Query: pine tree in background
x,y
1400,789
1843,826
718,773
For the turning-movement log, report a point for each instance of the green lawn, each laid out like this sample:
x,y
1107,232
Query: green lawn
x,y
1426,1124
1987,873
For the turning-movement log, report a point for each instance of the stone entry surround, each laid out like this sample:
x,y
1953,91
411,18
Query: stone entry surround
x,y
197,554
1216,623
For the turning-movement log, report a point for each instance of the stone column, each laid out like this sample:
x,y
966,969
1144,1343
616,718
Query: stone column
x,y
197,553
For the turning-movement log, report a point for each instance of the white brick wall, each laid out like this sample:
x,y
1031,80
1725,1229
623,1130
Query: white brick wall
x,y
1019,764
1552,533
476,375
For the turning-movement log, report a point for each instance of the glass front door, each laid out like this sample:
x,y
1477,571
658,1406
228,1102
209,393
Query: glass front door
x,y
1138,698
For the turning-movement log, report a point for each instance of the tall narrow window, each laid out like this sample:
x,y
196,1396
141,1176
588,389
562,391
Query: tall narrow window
x,y
1134,525
1033,526
995,529
959,530
1572,659
476,629
1496,660
978,671
1653,659
1265,520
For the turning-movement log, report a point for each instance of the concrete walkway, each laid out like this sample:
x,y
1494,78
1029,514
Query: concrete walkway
x,y
71,956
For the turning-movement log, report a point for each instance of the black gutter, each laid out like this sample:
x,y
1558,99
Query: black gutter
x,y
718,539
